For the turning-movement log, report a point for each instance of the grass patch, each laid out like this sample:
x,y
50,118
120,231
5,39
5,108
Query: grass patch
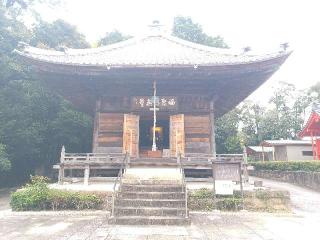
x,y
259,200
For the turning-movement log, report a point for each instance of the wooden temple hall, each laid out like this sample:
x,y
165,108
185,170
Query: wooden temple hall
x,y
155,96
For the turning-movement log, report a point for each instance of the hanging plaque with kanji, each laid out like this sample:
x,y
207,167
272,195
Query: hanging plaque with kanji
x,y
164,103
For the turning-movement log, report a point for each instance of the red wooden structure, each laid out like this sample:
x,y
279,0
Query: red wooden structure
x,y
312,129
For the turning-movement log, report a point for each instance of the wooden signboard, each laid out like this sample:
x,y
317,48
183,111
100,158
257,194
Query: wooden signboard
x,y
163,103
131,134
227,171
177,136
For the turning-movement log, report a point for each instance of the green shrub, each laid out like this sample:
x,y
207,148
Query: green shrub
x,y
32,197
308,166
229,204
202,193
37,196
58,199
260,200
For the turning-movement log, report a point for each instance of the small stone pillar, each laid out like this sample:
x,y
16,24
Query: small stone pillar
x,y
86,172
61,167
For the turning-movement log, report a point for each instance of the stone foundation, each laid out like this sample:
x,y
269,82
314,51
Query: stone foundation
x,y
305,179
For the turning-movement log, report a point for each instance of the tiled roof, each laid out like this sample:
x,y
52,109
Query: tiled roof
x,y
316,108
260,149
285,142
152,50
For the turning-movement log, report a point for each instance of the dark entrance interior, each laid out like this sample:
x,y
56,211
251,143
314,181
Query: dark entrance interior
x,y
146,134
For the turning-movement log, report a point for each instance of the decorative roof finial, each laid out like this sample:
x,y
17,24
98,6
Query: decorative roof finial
x,y
155,28
284,46
246,49
22,44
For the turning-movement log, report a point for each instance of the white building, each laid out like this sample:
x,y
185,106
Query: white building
x,y
290,150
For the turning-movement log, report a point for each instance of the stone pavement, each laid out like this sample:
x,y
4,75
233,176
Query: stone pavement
x,y
303,223
213,225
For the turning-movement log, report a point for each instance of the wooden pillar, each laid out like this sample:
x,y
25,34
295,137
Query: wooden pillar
x,y
96,126
212,135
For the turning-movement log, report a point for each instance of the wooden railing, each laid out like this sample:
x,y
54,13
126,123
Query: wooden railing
x,y
118,180
87,161
229,157
184,184
92,157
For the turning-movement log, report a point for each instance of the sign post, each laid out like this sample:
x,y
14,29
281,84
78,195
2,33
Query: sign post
x,y
225,173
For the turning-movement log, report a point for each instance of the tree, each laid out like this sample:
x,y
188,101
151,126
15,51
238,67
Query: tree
x,y
24,4
251,115
283,118
185,28
113,37
227,137
57,35
314,93
35,123
5,164
11,32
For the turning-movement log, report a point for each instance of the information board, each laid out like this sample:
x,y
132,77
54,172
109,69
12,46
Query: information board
x,y
227,171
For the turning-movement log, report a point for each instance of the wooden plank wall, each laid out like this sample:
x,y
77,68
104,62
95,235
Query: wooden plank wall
x,y
109,133
197,133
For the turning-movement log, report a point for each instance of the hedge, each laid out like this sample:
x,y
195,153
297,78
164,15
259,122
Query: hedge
x,y
308,166
38,196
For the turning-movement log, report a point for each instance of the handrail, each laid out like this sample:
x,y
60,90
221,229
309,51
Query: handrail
x,y
184,185
119,179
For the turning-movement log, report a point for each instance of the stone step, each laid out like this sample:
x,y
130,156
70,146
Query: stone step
x,y
153,160
170,203
154,164
149,211
153,220
132,181
152,195
150,188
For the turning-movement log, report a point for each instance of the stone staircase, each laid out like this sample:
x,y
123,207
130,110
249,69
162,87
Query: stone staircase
x,y
155,200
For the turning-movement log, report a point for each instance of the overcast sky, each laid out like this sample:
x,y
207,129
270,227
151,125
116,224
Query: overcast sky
x,y
261,24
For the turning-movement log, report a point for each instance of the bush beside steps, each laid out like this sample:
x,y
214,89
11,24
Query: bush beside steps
x,y
37,196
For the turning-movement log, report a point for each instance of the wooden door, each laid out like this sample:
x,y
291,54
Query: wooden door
x,y
177,136
131,134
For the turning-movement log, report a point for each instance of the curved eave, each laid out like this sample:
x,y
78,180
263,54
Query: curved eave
x,y
238,80
87,69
